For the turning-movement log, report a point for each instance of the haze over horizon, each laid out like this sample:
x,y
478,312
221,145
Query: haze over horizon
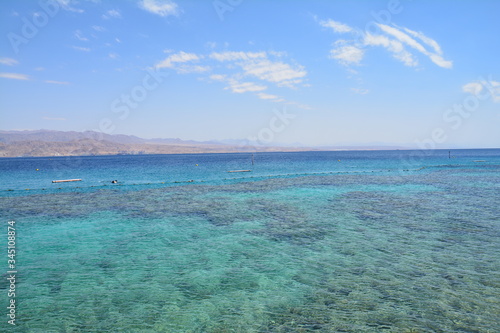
x,y
316,73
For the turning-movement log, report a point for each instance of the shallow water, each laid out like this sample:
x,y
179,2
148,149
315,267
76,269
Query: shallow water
x,y
310,244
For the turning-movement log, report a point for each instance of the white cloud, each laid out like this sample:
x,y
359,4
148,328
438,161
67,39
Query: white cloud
x,y
278,54
495,91
360,91
429,41
113,13
180,57
160,7
400,42
181,63
79,48
241,87
277,72
113,56
336,26
240,71
267,96
66,5
8,61
474,88
78,35
211,45
438,60
347,54
259,65
404,38
98,28
217,77
232,56
477,87
56,82
395,47
14,76
193,69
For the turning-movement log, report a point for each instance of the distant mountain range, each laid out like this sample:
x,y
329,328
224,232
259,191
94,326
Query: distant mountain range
x,y
59,143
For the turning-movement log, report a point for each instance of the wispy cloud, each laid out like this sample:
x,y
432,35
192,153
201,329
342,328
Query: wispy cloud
x,y
98,28
393,46
435,56
275,71
477,87
218,77
336,26
347,54
113,13
240,71
79,48
67,5
404,44
160,7
259,65
56,82
431,42
474,88
242,87
267,96
182,62
14,76
360,91
79,35
233,56
8,61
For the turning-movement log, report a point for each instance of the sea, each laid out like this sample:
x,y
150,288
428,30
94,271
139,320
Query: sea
x,y
338,241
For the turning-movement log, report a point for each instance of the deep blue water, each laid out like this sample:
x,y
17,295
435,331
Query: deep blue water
x,y
21,173
368,241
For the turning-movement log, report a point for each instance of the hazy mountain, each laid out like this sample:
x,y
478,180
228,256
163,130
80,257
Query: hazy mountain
x,y
57,143
59,136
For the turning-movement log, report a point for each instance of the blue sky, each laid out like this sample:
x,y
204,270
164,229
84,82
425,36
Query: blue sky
x,y
410,73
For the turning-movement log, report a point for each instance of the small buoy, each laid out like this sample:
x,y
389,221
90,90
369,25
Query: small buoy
x,y
114,181
339,160
196,164
37,169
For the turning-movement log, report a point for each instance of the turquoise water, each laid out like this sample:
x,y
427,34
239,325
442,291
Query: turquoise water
x,y
375,242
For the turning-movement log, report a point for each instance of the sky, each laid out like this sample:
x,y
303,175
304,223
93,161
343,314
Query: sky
x,y
318,73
